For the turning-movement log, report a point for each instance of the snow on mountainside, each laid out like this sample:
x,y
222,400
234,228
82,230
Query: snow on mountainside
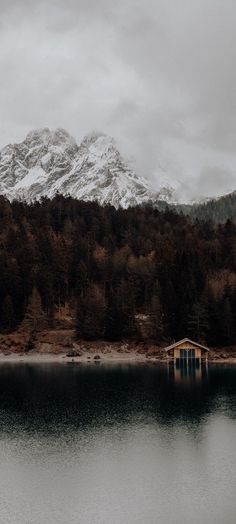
x,y
47,162
100,173
27,168
167,192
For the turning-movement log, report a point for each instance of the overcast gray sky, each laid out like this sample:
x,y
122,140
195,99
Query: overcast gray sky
x,y
158,75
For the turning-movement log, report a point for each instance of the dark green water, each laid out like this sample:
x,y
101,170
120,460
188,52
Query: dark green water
x,y
132,444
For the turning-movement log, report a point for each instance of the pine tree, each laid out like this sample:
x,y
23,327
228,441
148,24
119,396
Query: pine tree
x,y
34,317
126,307
91,314
114,319
8,316
213,316
227,322
197,322
156,319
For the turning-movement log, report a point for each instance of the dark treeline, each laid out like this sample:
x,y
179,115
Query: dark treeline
x,y
218,210
125,274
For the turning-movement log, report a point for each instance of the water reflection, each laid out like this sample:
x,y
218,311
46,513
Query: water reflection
x,y
49,398
117,443
188,372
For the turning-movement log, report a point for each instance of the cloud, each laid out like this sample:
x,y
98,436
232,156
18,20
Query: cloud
x,y
158,75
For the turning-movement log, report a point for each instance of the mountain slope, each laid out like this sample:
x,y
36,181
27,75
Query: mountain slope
x,y
25,167
47,162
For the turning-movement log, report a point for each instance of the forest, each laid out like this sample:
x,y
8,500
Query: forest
x,y
128,274
218,210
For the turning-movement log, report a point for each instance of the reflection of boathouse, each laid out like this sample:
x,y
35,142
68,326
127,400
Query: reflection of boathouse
x,y
187,352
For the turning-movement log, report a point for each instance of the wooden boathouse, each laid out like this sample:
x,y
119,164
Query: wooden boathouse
x,y
187,351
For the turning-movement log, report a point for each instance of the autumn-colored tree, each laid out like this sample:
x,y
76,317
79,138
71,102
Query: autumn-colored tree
x,y
34,317
176,274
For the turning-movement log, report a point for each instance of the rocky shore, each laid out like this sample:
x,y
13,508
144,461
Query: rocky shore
x,y
61,344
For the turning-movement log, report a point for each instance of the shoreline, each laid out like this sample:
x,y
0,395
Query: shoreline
x,y
91,358
86,358
61,345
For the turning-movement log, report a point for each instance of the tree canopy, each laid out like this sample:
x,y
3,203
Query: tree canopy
x,y
126,274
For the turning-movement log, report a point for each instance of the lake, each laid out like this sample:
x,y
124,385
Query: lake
x,y
117,444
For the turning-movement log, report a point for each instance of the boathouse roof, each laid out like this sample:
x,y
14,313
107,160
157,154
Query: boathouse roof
x,y
180,342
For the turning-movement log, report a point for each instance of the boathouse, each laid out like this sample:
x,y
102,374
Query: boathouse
x,y
187,352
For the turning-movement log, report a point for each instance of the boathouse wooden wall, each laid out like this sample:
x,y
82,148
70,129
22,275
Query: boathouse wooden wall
x,y
175,352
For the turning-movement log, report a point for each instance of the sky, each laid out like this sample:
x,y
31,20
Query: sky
x,y
157,75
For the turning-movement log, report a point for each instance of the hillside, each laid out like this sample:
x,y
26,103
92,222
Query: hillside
x,y
218,210
135,274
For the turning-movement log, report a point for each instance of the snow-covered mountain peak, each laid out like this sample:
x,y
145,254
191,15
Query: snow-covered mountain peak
x,y
93,136
50,161
100,149
98,144
107,176
45,137
167,190
38,135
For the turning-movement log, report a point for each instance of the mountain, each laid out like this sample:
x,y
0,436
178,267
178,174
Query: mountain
x,y
166,192
49,162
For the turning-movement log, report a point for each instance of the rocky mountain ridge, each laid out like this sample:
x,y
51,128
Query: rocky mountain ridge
x,y
49,162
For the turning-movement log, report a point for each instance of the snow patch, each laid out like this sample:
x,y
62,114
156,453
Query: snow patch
x,y
36,175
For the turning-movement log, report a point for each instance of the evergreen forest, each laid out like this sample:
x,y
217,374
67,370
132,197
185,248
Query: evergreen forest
x,y
128,274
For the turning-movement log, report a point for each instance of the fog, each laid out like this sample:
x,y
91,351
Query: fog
x,y
157,75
